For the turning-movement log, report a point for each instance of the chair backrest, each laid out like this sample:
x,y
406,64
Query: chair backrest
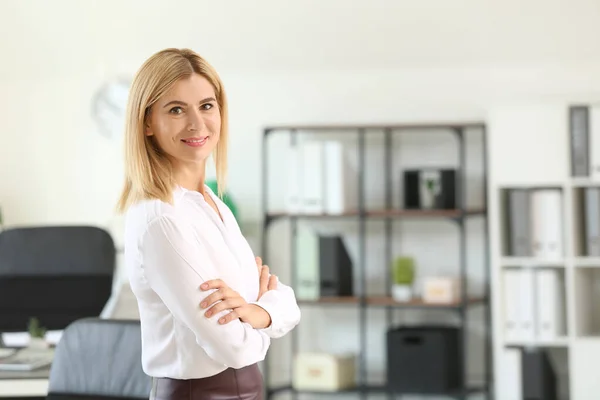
x,y
57,274
99,359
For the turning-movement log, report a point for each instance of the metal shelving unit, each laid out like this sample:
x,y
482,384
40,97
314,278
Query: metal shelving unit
x,y
363,302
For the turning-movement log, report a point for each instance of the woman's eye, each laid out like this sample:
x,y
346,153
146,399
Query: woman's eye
x,y
206,106
176,110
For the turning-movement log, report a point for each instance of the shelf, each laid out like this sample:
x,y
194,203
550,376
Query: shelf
x,y
383,301
531,262
397,213
335,127
304,248
558,342
580,182
379,389
331,300
419,303
587,262
364,389
426,213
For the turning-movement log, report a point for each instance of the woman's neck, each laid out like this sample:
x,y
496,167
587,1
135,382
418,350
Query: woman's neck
x,y
190,176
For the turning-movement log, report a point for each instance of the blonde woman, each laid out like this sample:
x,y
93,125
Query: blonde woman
x,y
208,307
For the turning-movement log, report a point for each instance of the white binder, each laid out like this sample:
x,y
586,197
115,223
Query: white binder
x,y
293,181
550,315
511,305
526,304
340,180
547,224
312,182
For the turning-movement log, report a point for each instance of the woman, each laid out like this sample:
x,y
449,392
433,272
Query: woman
x,y
208,308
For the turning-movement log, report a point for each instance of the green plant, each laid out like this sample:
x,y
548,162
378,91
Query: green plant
x,y
430,183
35,329
404,271
226,198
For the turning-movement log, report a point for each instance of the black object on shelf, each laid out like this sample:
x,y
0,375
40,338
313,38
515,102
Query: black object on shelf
x,y
455,211
538,377
424,359
335,267
430,188
579,132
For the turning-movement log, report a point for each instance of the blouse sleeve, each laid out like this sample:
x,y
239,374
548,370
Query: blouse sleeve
x,y
175,265
281,305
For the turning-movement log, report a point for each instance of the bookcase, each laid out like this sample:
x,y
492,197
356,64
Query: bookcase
x,y
544,194
366,213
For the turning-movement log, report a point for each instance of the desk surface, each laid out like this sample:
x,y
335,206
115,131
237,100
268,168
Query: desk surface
x,y
24,384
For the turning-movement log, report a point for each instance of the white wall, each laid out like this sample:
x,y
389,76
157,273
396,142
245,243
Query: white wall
x,y
307,62
400,62
47,131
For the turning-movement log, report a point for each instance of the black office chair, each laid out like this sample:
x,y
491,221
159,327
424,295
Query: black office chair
x,y
99,359
58,274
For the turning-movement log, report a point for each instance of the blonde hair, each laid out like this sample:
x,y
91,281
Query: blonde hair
x,y
148,173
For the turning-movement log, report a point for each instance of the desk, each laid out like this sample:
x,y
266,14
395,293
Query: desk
x,y
121,305
24,384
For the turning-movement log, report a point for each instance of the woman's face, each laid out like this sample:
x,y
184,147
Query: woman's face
x,y
186,121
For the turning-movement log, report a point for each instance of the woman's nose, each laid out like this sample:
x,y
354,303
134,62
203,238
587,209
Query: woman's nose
x,y
195,122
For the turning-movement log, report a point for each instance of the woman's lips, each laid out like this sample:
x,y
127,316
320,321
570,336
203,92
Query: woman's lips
x,y
196,141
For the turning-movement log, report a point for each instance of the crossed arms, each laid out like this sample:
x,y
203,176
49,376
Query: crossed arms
x,y
176,266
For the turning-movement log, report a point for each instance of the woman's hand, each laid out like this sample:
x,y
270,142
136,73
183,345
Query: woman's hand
x,y
225,298
266,283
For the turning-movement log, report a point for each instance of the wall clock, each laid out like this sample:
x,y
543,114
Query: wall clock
x,y
108,107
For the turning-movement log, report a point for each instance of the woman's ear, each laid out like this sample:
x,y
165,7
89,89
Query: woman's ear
x,y
147,129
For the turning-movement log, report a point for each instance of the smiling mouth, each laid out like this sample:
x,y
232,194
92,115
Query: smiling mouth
x,y
195,142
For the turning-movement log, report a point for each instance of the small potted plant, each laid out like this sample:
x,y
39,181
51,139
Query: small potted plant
x,y
37,334
430,196
403,277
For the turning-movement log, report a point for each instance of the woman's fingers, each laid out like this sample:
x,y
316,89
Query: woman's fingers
x,y
229,317
264,279
212,298
258,264
221,294
231,303
213,284
272,282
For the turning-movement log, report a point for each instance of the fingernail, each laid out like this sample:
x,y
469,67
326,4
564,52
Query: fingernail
x,y
222,320
204,285
208,313
203,304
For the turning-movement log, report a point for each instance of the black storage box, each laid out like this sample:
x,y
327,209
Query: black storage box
x,y
424,359
539,380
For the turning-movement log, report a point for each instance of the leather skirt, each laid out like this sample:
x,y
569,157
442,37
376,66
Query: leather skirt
x,y
232,384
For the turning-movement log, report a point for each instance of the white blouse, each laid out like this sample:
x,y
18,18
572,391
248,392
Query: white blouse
x,y
170,250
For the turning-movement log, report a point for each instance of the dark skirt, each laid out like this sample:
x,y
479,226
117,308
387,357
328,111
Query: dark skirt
x,y
232,384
